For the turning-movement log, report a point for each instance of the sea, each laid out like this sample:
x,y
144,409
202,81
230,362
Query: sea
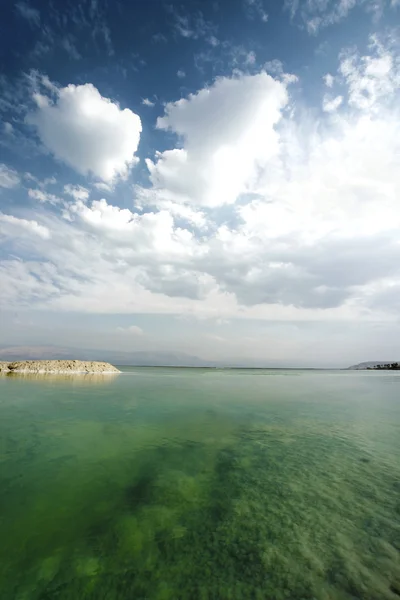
x,y
200,484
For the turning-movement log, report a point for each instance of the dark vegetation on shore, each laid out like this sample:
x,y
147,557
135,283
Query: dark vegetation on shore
x,y
387,367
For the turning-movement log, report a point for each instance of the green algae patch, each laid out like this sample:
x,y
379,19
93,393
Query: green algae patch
x,y
141,496
246,520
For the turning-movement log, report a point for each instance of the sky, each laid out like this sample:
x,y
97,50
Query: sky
x,y
220,178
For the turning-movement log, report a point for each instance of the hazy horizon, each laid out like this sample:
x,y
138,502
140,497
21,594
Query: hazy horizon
x,y
158,358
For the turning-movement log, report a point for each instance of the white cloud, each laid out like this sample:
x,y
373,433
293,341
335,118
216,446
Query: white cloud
x,y
213,41
8,128
78,192
186,213
318,14
103,187
147,102
312,236
159,38
329,80
90,133
182,212
193,26
215,163
41,183
68,43
370,78
150,233
255,9
17,224
181,74
28,12
132,330
331,104
274,67
182,26
250,58
43,197
9,178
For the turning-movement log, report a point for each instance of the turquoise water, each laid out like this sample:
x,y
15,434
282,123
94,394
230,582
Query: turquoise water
x,y
200,484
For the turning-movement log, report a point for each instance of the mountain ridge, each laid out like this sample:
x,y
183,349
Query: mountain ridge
x,y
365,365
137,358
146,358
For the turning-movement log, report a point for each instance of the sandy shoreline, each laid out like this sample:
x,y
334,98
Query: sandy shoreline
x,y
58,367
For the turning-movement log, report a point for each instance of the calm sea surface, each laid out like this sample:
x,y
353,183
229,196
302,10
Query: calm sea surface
x,y
200,484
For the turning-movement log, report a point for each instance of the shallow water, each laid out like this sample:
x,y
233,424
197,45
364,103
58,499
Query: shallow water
x,y
200,484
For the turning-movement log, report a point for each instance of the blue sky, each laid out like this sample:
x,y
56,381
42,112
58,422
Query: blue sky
x,y
218,178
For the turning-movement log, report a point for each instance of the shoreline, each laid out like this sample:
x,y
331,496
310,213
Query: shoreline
x,y
57,367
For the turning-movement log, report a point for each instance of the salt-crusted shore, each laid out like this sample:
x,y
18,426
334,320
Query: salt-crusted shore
x,y
73,367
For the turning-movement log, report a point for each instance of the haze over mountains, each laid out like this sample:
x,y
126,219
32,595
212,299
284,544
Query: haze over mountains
x,y
147,358
116,357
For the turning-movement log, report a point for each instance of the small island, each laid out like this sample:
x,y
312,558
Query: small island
x,y
64,367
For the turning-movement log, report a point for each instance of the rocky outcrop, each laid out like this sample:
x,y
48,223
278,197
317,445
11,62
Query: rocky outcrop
x,y
57,366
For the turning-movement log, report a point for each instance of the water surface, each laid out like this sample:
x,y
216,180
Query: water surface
x,y
200,484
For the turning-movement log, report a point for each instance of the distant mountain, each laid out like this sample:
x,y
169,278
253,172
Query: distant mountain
x,y
365,365
140,359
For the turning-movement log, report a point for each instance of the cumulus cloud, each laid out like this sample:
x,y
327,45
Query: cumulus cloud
x,y
151,234
40,183
103,187
43,197
90,133
330,104
9,178
77,192
152,198
148,102
16,224
370,78
300,222
215,163
329,80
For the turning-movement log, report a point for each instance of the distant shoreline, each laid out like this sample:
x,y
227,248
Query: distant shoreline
x,y
80,367
387,367
233,368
